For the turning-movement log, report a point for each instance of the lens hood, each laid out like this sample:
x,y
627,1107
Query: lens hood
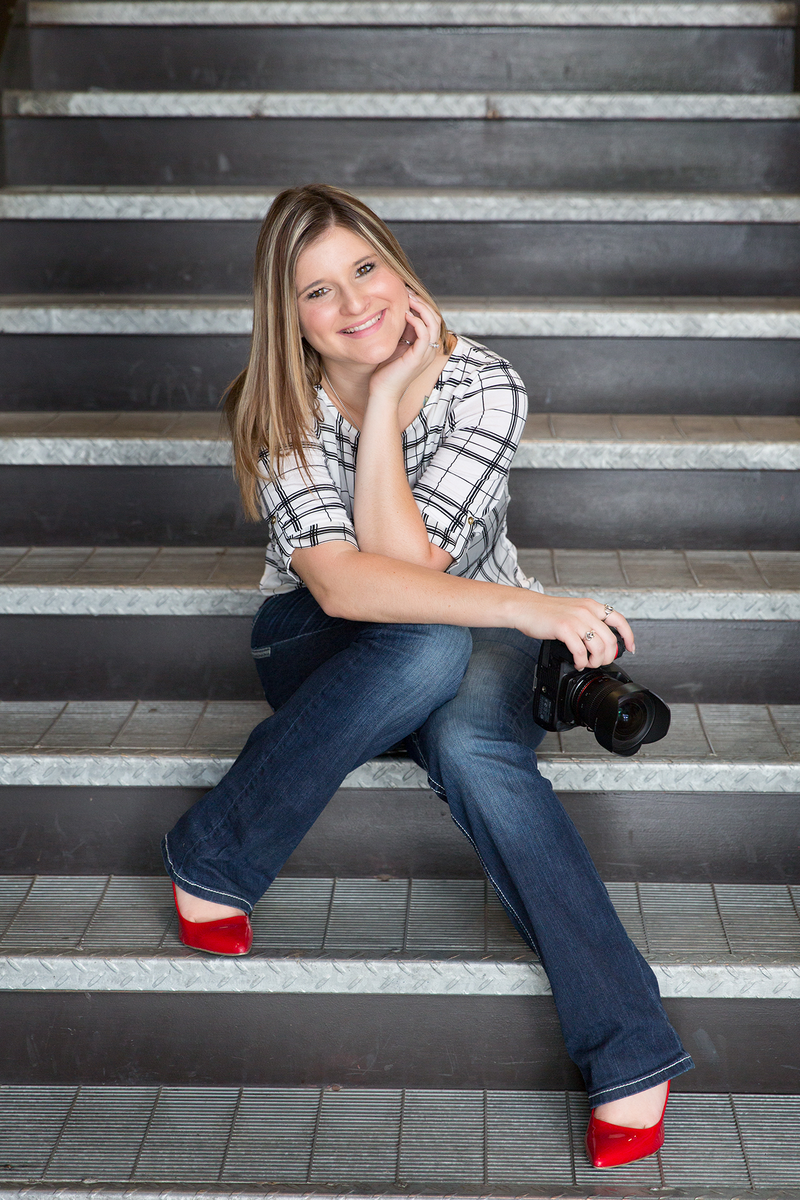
x,y
622,715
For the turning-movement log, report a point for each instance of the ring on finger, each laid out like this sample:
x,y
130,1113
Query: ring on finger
x,y
590,633
609,608
434,345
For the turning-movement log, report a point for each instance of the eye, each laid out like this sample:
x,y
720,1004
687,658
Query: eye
x,y
317,292
365,268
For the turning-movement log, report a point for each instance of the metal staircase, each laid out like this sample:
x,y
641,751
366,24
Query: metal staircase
x,y
609,194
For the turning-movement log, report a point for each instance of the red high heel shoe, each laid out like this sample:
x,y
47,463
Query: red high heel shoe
x,y
231,935
614,1145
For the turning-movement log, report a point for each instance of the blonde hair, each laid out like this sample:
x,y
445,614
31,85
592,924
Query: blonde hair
x,y
272,405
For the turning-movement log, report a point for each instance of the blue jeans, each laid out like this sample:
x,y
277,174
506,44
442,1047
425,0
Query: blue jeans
x,y
345,691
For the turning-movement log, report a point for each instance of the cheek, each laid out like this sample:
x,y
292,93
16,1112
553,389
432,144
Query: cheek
x,y
312,326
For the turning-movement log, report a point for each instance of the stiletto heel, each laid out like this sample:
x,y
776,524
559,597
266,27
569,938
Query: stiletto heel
x,y
614,1145
231,935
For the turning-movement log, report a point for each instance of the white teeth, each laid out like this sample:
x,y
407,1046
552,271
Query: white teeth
x,y
366,325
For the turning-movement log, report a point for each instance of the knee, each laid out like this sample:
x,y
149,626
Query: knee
x,y
429,660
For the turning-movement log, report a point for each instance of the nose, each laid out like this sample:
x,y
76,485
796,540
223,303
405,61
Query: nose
x,y
353,302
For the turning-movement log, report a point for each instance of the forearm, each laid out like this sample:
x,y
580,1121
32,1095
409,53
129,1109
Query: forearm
x,y
356,586
385,514
360,586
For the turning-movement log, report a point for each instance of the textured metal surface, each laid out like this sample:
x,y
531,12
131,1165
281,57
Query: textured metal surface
x,y
608,318
383,937
528,106
566,774
455,205
710,748
311,1138
229,601
405,12
714,585
565,441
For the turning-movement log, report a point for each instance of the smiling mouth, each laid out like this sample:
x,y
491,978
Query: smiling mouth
x,y
365,324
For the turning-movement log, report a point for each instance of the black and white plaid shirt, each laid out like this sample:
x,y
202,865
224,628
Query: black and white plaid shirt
x,y
458,452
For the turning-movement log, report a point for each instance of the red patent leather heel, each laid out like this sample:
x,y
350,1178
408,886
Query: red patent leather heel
x,y
614,1145
231,935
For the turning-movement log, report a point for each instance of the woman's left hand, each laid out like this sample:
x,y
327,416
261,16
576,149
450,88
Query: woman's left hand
x,y
394,376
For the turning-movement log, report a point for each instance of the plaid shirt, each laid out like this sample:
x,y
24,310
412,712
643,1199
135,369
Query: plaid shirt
x,y
458,453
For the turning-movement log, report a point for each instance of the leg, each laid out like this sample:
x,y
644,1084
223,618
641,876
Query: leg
x,y
369,694
479,753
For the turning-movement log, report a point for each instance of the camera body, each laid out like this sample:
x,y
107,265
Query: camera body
x,y
605,700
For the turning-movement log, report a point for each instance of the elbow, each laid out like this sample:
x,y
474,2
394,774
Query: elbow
x,y
332,600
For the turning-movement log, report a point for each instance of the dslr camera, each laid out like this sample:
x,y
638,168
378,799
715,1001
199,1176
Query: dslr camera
x,y
620,714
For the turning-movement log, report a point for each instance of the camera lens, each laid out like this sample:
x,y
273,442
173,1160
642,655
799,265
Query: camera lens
x,y
634,718
621,714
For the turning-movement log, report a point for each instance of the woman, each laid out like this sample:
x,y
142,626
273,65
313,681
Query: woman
x,y
377,446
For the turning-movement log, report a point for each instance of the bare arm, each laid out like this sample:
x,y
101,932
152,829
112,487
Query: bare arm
x,y
360,586
385,514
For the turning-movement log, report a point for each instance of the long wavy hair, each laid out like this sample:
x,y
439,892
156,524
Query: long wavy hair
x,y
272,405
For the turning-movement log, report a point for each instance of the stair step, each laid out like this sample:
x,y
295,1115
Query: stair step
x,y
566,441
389,937
191,744
716,585
217,1142
409,12
452,205
396,105
610,317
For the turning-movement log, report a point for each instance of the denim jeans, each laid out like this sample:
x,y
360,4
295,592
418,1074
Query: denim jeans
x,y
345,691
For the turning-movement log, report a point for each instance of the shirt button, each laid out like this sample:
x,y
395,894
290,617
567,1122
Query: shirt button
x,y
470,520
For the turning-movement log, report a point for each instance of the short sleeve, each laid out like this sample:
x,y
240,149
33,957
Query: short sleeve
x,y
466,478
303,508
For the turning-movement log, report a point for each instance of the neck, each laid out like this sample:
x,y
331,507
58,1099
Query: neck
x,y
351,381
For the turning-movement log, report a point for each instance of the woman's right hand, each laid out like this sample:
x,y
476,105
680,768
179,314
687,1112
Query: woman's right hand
x,y
568,621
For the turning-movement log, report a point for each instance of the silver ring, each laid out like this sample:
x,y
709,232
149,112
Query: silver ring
x,y
434,345
587,637
609,609
406,342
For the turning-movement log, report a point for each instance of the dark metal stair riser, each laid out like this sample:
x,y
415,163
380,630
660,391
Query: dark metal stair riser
x,y
606,155
573,509
459,59
644,375
187,658
364,1041
480,258
686,837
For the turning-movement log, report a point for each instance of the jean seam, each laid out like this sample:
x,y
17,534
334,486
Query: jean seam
x,y
439,790
298,636
192,883
641,1078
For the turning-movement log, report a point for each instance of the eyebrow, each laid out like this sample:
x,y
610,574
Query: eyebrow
x,y
316,282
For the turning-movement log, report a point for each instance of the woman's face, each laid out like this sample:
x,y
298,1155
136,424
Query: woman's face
x,y
351,305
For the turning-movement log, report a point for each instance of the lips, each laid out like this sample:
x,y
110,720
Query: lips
x,y
364,326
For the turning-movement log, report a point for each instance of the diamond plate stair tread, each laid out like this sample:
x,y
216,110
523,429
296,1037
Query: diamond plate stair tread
x,y
407,12
567,441
178,581
220,1141
432,105
383,936
447,204
710,748
539,317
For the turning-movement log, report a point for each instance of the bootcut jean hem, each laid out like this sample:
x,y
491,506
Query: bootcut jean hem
x,y
642,1083
197,889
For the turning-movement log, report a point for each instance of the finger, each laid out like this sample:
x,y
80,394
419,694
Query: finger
x,y
422,331
430,318
616,621
577,649
596,648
